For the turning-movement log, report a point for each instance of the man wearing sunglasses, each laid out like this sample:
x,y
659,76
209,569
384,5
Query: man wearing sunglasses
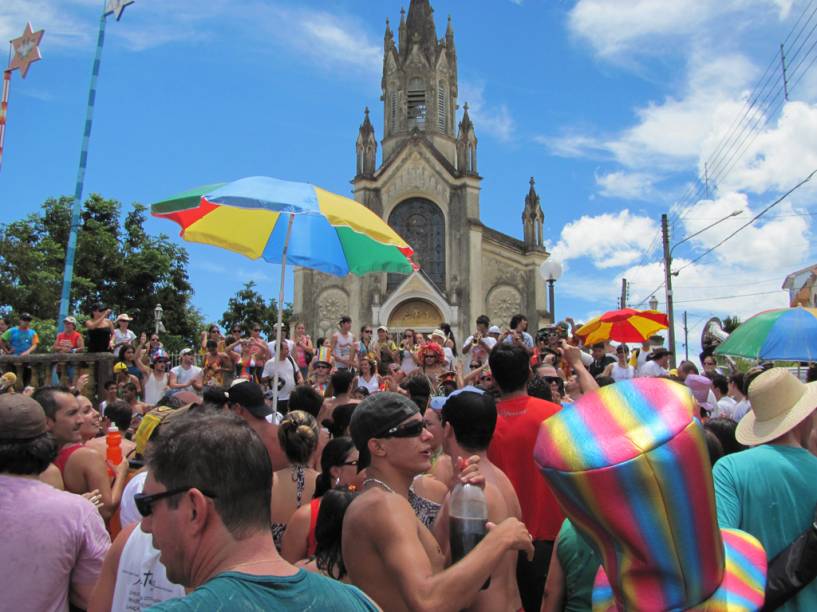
x,y
387,551
206,502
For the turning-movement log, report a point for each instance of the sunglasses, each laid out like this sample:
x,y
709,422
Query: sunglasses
x,y
409,430
257,330
321,367
486,378
144,503
367,331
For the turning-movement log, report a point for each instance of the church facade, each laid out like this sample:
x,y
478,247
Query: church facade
x,y
427,187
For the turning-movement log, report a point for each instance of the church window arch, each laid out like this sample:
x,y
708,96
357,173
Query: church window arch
x,y
393,111
442,106
416,103
421,223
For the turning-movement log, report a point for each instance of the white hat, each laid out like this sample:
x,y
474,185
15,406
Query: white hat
x,y
439,333
494,329
780,402
124,317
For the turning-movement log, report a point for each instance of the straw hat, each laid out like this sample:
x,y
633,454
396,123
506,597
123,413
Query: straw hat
x,y
780,402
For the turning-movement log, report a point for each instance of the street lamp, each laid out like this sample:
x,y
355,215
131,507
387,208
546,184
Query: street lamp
x,y
157,318
653,303
550,270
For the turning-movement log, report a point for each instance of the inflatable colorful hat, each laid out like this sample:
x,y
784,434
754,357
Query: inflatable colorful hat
x,y
629,466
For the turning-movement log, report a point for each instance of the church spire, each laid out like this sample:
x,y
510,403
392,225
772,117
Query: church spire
x,y
388,37
420,28
466,145
533,219
401,31
366,147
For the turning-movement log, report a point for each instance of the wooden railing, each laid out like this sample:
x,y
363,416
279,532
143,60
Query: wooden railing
x,y
99,366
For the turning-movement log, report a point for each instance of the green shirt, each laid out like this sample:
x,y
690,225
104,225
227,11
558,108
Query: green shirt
x,y
769,491
579,564
302,591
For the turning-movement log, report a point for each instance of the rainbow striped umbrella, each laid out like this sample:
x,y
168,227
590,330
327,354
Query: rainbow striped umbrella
x,y
252,216
782,334
280,221
624,325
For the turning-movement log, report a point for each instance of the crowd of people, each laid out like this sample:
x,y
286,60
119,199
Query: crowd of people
x,y
331,489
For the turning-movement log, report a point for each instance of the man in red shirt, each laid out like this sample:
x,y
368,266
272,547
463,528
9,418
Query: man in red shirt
x,y
511,449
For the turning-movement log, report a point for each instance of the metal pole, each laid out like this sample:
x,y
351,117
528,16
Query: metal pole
x,y
279,331
785,76
686,338
623,301
76,208
552,298
668,287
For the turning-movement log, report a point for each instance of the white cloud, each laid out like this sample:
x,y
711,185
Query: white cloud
x,y
63,27
671,134
779,156
608,240
617,27
777,243
492,119
626,185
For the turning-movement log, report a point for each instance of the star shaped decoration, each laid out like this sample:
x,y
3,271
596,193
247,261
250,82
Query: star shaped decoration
x,y
116,7
25,50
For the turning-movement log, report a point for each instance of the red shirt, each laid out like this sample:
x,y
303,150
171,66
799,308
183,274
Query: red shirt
x,y
511,449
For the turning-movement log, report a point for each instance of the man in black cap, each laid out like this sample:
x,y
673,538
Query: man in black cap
x,y
246,399
53,542
388,552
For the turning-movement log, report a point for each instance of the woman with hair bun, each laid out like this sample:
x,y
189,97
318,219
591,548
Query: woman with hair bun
x,y
298,437
339,470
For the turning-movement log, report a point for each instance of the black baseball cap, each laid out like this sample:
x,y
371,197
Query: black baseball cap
x,y
374,416
26,317
250,396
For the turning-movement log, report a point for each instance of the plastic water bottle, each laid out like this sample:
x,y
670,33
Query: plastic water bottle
x,y
467,518
113,439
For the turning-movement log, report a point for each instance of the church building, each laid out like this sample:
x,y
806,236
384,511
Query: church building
x,y
427,187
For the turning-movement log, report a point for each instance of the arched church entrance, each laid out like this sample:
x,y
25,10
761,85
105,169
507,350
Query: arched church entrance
x,y
419,315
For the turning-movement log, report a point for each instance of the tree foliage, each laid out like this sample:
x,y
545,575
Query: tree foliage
x,y
731,323
248,307
116,263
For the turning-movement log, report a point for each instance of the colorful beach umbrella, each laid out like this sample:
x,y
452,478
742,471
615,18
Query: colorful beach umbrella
x,y
623,325
329,233
782,334
287,222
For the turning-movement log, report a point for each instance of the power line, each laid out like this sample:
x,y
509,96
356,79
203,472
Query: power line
x,y
750,222
727,297
726,153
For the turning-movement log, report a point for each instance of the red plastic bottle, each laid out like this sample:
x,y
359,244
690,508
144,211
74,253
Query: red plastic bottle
x,y
113,451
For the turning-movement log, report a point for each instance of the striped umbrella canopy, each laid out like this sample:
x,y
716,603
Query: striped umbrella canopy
x,y
623,325
283,221
782,334
251,216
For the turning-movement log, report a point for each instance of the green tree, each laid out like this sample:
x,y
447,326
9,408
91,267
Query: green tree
x,y
117,263
248,306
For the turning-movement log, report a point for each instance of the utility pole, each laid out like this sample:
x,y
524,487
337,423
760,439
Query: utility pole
x,y
623,300
785,76
686,337
668,287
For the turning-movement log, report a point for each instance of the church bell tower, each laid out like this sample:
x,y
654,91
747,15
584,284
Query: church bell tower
x,y
419,84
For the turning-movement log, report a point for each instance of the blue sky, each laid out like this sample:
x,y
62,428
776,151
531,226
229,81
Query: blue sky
x,y
613,105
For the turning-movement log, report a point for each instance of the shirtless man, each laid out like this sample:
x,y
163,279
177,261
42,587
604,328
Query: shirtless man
x,y
389,554
83,469
469,419
246,399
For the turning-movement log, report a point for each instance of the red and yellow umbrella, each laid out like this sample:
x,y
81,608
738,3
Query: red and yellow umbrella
x,y
624,325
